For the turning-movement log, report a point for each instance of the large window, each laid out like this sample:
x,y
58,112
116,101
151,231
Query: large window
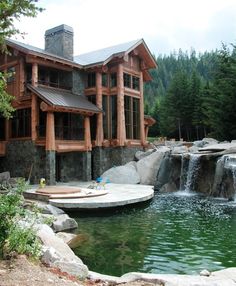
x,y
127,80
52,77
21,123
91,79
113,79
131,81
69,126
104,79
109,104
93,119
132,117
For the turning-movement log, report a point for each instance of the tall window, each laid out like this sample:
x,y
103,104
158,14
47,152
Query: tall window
x,y
104,79
127,80
109,104
93,119
135,83
113,79
2,128
69,126
132,117
21,123
91,79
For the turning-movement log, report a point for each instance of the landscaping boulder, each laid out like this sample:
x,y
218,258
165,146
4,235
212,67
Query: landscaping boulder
x,y
49,209
179,149
66,236
4,177
56,253
64,222
122,175
148,167
140,154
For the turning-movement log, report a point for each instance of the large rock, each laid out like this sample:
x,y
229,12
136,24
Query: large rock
x,y
140,154
4,177
179,149
64,222
148,167
66,236
122,175
49,209
56,253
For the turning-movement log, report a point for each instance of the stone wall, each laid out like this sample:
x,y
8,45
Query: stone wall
x,y
20,157
106,158
78,82
74,166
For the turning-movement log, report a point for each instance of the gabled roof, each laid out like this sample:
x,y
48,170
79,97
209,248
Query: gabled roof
x,y
63,98
103,56
28,49
99,57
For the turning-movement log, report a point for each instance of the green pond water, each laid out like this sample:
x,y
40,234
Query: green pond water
x,y
174,233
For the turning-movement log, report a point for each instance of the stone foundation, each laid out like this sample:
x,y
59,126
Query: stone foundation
x,y
24,159
106,158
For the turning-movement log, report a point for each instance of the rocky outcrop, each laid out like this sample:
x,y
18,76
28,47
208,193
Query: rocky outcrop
x,y
225,277
64,222
126,174
148,167
58,254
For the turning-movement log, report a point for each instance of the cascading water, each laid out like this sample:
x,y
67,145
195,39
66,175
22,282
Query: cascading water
x,y
193,169
230,163
183,172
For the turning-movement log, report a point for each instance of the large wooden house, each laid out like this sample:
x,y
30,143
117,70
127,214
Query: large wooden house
x,y
75,116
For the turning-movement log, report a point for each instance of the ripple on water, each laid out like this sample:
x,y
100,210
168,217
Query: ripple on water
x,y
173,234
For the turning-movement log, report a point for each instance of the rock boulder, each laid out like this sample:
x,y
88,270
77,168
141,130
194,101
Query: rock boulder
x,y
122,175
64,222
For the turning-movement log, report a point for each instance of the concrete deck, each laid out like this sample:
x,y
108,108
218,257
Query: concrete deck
x,y
117,195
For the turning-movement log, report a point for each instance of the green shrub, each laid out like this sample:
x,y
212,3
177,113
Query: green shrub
x,y
13,237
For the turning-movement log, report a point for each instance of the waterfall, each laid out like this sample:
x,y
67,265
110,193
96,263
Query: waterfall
x,y
183,171
193,169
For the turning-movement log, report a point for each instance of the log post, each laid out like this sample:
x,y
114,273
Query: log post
x,y
50,150
87,136
142,133
121,134
99,130
34,115
22,77
50,132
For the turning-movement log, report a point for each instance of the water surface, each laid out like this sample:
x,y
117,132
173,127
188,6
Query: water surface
x,y
175,233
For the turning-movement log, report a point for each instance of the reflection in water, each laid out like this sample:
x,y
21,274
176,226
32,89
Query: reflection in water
x,y
174,234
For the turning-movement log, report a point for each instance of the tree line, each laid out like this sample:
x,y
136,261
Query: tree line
x,y
193,95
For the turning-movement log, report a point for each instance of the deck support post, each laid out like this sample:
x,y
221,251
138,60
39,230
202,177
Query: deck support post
x,y
99,130
121,134
34,116
142,132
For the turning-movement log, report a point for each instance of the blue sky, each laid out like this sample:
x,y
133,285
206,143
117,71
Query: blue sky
x,y
165,25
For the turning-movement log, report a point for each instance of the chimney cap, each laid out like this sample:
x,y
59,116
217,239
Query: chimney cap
x,y
60,28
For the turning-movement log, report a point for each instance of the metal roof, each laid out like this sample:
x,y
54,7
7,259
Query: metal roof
x,y
103,55
28,48
65,99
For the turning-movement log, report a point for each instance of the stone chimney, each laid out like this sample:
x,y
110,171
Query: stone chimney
x,y
59,41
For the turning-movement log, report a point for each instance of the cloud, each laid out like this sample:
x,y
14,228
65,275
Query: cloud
x,y
165,25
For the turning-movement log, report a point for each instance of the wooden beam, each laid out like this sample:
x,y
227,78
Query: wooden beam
x,y
87,135
99,129
48,108
50,132
121,134
45,62
35,74
7,65
22,77
142,134
34,117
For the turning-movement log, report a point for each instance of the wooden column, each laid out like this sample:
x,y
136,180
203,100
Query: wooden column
x,y
50,132
121,134
22,77
142,134
87,135
99,130
34,107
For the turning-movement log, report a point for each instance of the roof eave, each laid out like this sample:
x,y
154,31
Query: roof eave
x,y
45,56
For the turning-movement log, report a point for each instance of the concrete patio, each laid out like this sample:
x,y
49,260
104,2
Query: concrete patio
x,y
115,195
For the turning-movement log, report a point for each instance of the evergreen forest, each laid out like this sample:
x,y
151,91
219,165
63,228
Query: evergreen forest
x,y
193,96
